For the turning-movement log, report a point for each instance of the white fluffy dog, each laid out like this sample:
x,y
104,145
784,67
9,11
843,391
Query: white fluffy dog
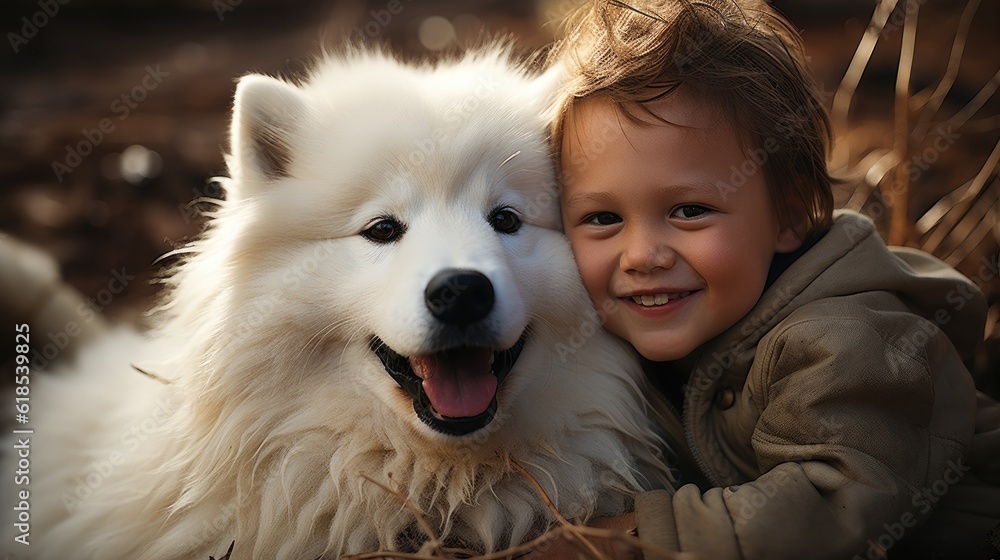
x,y
385,290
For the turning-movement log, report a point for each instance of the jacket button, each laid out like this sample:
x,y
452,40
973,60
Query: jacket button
x,y
725,399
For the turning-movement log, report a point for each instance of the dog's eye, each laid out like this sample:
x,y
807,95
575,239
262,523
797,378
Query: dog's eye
x,y
386,230
504,220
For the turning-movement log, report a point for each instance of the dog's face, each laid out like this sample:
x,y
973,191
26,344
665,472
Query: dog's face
x,y
409,214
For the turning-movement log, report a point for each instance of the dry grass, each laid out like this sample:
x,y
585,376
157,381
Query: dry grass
x,y
945,228
579,536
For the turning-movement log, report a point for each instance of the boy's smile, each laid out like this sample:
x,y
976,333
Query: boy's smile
x,y
668,230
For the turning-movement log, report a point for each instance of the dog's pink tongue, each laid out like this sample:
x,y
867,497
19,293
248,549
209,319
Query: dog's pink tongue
x,y
458,383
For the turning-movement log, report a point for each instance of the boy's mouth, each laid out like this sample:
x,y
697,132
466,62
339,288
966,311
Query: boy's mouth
x,y
656,300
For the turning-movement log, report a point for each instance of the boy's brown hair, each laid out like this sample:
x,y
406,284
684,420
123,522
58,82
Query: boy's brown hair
x,y
739,54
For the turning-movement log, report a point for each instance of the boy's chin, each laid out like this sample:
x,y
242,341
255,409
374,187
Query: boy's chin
x,y
659,356
658,348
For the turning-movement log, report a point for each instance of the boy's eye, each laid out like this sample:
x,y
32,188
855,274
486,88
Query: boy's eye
x,y
689,211
603,218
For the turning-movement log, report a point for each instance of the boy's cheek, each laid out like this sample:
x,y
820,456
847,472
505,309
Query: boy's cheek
x,y
594,267
575,243
579,257
567,230
596,285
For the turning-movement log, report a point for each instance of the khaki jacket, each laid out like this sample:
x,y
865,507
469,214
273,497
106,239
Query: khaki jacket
x,y
837,416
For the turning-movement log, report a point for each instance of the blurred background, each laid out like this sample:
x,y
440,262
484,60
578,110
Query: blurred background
x,y
114,115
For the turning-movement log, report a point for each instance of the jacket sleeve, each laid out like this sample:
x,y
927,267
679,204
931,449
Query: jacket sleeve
x,y
858,435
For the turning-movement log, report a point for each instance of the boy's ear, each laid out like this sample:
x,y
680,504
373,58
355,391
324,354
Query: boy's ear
x,y
791,237
266,114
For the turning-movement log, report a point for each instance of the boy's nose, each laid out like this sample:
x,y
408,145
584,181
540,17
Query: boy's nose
x,y
645,254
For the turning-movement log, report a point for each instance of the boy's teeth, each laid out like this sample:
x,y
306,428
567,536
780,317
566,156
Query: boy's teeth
x,y
658,299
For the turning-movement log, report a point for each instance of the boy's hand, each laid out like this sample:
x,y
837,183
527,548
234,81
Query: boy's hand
x,y
563,549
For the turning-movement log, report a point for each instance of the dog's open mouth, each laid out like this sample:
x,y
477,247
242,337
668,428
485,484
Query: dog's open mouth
x,y
454,391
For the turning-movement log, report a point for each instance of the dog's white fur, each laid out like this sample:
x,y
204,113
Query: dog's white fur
x,y
276,403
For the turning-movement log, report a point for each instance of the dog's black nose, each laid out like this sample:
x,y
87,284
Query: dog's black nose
x,y
459,297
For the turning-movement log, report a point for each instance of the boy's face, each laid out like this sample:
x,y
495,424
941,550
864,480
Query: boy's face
x,y
671,224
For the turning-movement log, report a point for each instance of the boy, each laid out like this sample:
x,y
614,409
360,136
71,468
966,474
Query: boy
x,y
825,407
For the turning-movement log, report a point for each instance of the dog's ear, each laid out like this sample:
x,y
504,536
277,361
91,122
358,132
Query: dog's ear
x,y
547,90
266,114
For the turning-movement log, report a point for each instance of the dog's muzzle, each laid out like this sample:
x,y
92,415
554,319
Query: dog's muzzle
x,y
454,389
